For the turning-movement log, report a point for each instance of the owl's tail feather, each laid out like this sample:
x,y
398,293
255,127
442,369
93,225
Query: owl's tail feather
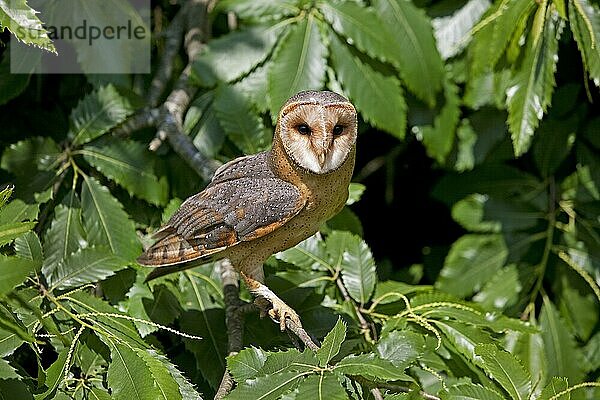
x,y
172,253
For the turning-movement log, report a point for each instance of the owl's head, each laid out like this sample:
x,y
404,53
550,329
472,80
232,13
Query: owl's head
x,y
317,130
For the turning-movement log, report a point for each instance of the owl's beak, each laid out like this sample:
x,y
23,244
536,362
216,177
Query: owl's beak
x,y
321,158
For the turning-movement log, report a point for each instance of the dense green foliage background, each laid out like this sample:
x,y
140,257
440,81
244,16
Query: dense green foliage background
x,y
477,188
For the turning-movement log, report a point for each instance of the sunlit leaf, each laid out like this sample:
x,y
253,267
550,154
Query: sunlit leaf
x,y
471,262
379,98
420,64
269,387
28,246
506,370
559,345
21,21
584,20
453,32
65,235
370,365
246,364
87,265
129,377
105,221
470,392
131,165
239,121
14,271
531,88
232,56
332,343
353,256
325,386
96,113
298,64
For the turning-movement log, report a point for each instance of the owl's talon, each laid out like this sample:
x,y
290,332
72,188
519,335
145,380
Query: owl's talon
x,y
280,311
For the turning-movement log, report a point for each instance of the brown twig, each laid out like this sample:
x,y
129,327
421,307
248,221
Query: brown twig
x,y
365,326
173,39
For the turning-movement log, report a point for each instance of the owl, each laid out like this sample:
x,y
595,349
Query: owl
x,y
264,203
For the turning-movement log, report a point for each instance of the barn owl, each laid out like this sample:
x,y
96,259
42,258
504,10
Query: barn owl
x,y
264,203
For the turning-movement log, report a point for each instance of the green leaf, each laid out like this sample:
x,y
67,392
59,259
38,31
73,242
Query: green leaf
x,y
8,232
469,391
129,377
289,360
470,213
210,325
28,247
555,386
161,377
584,19
7,371
65,235
332,343
269,387
234,55
377,97
87,265
298,64
402,348
420,64
559,345
506,370
13,331
531,88
439,138
465,338
355,192
361,27
54,375
138,295
529,348
370,365
97,113
254,87
26,156
325,386
105,221
471,262
14,271
246,364
502,290
453,32
257,9
185,387
494,32
5,195
308,254
243,126
131,165
352,255
21,21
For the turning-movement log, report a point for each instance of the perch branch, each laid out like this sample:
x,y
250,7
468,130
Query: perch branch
x,y
233,320
173,37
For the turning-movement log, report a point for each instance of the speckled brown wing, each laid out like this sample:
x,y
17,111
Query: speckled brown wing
x,y
233,208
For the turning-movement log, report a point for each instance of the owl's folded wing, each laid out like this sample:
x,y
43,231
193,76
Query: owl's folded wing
x,y
221,216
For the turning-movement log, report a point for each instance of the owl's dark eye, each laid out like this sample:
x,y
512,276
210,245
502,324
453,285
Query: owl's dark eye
x,y
303,129
338,129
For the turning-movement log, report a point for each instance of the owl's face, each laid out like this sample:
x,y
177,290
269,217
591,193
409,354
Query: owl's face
x,y
318,135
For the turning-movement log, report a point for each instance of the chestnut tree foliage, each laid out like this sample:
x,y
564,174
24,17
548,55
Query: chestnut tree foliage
x,y
502,96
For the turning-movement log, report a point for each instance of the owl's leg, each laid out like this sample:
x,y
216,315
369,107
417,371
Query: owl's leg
x,y
279,310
